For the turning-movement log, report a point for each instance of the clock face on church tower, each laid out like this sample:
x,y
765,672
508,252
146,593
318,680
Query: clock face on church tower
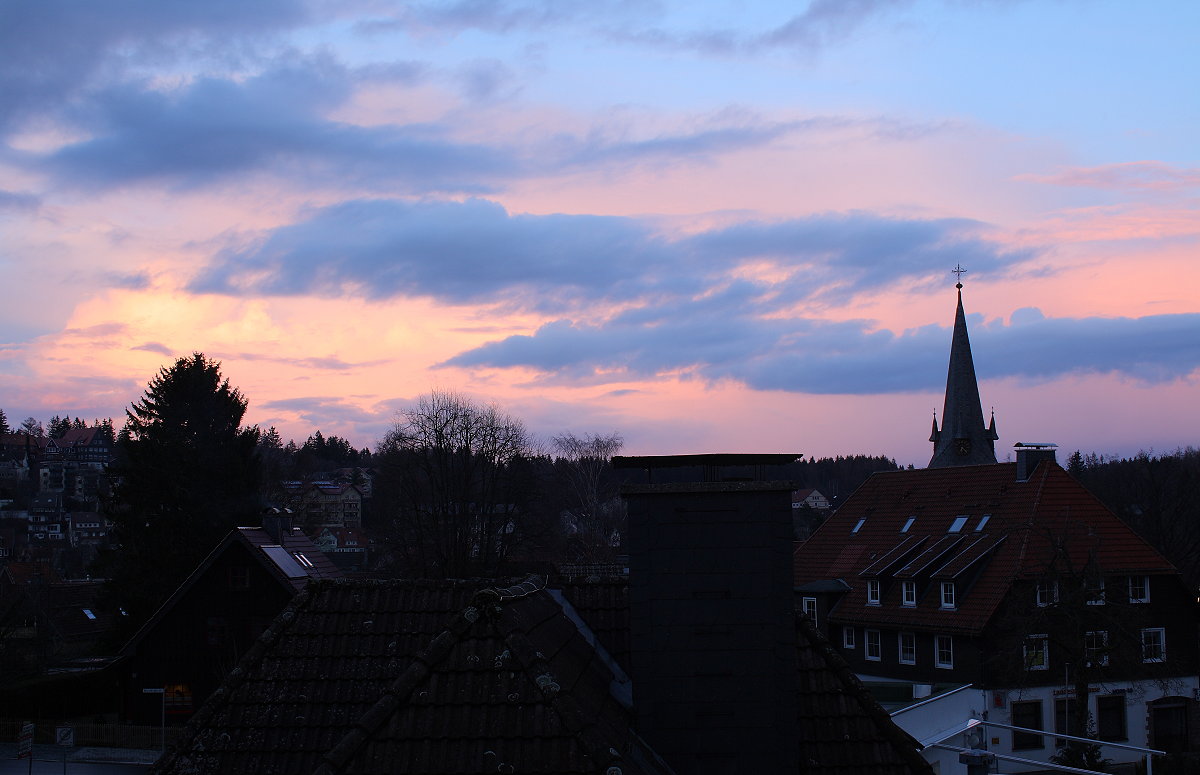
x,y
962,447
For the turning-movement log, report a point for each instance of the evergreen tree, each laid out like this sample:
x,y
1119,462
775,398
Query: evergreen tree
x,y
186,473
4,423
58,426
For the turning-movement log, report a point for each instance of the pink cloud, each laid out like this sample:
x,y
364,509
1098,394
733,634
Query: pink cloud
x,y
1124,176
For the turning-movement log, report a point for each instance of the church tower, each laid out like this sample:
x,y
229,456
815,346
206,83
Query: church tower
x,y
963,439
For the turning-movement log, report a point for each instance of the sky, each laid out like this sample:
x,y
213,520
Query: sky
x,y
705,226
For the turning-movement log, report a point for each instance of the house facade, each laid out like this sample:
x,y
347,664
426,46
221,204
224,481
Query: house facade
x,y
1013,578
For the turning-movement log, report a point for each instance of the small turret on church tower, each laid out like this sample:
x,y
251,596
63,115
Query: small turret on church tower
x,y
963,439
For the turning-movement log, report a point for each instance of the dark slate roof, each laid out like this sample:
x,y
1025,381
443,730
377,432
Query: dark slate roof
x,y
1024,517
963,440
416,677
843,729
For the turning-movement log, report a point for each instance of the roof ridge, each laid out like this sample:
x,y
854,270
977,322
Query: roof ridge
x,y
337,758
582,725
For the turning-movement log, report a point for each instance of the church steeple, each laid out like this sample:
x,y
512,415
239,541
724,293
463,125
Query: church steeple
x,y
963,440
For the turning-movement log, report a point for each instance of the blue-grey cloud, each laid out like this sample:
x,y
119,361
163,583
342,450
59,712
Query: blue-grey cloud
x,y
133,281
822,23
721,341
214,128
155,347
472,251
53,50
18,201
476,252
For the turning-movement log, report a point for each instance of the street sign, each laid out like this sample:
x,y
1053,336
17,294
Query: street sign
x,y
25,742
64,736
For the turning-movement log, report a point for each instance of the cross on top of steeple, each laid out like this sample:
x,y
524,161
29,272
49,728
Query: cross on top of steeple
x,y
959,271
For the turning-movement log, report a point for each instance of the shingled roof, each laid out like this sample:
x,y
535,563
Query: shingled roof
x,y
416,677
1007,529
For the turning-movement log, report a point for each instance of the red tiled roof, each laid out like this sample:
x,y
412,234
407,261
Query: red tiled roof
x,y
1024,521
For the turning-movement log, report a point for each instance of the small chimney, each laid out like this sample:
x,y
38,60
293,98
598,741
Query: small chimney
x,y
277,523
712,622
1029,454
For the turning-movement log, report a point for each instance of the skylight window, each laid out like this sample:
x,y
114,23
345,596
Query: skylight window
x,y
88,613
300,558
959,523
858,526
982,522
908,524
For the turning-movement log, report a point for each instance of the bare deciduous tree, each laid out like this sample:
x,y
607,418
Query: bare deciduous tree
x,y
584,464
454,483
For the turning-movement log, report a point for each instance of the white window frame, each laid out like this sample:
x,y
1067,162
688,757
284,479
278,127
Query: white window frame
x,y
1161,646
809,606
949,596
1046,594
1095,647
871,638
938,661
849,641
1095,593
874,592
1145,585
1034,645
908,593
911,649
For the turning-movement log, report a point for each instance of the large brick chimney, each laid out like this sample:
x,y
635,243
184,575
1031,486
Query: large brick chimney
x,y
713,638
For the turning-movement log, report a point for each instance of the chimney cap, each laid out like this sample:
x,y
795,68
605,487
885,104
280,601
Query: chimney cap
x,y
1034,445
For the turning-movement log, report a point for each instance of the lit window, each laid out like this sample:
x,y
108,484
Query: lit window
x,y
908,593
908,524
1047,593
982,522
1154,645
873,592
1095,646
848,639
908,648
1139,589
948,596
1037,652
943,651
300,558
809,606
858,525
874,651
957,525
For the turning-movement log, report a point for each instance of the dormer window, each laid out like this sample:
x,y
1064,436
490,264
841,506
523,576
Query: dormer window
x,y
908,593
948,595
1095,592
908,524
957,525
873,592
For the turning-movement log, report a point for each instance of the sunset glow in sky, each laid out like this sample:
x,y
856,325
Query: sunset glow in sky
x,y
708,226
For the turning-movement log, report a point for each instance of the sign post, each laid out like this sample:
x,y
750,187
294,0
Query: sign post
x,y
25,744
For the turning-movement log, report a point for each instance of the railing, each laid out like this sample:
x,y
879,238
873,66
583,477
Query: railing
x,y
90,734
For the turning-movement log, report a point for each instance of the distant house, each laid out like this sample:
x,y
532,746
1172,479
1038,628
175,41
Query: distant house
x,y
199,634
324,503
811,498
345,546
